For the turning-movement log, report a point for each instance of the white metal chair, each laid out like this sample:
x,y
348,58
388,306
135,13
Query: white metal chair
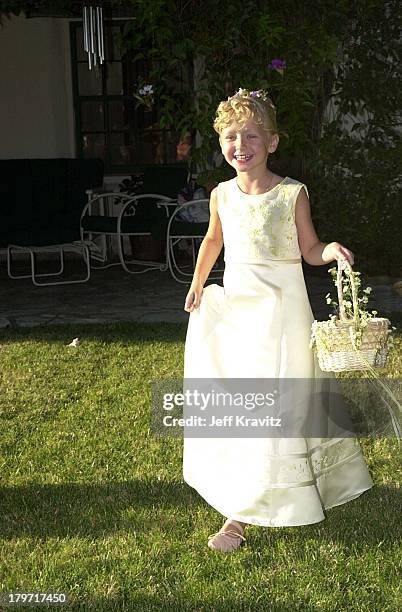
x,y
126,223
189,222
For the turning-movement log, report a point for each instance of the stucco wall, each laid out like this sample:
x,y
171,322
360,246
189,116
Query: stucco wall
x,y
36,107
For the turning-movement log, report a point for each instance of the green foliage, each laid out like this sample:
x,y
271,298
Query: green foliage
x,y
355,170
15,7
9,8
66,8
233,45
338,52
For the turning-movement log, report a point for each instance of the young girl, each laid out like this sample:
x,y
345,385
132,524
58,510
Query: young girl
x,y
258,326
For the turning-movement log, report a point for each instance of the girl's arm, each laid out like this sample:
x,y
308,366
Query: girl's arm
x,y
314,252
208,253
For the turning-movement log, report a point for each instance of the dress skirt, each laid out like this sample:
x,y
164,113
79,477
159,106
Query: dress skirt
x,y
258,326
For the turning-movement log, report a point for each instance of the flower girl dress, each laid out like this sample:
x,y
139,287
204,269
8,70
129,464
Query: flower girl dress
x,y
258,326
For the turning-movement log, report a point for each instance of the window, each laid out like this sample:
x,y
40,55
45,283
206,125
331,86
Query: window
x,y
108,124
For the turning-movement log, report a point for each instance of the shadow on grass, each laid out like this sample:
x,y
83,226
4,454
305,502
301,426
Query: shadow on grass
x,y
88,510
67,510
124,333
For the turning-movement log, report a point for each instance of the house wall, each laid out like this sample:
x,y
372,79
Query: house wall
x,y
36,105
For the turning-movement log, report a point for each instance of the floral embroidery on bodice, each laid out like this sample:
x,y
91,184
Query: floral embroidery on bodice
x,y
259,227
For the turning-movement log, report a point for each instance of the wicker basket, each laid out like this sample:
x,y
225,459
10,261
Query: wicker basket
x,y
337,347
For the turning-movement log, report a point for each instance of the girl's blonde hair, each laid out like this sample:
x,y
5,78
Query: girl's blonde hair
x,y
242,107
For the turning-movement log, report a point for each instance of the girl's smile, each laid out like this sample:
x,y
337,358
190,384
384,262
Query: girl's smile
x,y
243,159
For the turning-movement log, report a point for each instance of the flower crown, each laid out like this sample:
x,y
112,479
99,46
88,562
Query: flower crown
x,y
246,93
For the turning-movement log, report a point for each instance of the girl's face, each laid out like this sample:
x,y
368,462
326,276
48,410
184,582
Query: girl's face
x,y
246,148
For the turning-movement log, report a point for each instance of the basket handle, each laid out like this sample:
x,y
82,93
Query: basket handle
x,y
343,265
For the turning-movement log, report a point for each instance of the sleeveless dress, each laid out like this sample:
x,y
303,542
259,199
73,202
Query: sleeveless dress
x,y
263,308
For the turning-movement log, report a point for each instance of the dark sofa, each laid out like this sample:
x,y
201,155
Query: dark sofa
x,y
42,199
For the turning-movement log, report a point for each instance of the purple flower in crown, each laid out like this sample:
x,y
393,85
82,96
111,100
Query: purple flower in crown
x,y
239,92
245,93
278,65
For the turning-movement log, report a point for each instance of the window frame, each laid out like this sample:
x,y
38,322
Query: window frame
x,y
109,167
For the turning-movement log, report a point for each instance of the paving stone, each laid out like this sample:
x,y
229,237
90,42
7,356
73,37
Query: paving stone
x,y
112,295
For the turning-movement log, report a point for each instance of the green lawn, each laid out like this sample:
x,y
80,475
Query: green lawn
x,y
93,504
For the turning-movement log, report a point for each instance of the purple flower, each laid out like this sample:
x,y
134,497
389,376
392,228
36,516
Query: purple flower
x,y
277,64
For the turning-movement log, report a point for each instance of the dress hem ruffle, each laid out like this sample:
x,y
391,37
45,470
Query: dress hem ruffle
x,y
243,519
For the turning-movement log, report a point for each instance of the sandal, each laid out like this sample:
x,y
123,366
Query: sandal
x,y
227,541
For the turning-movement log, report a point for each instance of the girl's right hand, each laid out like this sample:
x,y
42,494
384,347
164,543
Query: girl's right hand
x,y
193,298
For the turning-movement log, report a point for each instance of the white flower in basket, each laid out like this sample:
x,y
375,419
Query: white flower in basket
x,y
357,340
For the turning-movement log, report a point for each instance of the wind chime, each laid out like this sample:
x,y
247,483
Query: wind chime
x,y
92,22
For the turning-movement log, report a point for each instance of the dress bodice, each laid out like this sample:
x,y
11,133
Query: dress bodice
x,y
259,227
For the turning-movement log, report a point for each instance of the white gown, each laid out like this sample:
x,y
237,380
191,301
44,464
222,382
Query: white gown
x,y
258,326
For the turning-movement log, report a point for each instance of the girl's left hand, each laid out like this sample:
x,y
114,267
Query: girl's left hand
x,y
337,251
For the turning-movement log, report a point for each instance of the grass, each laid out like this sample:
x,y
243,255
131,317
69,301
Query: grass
x,y
93,504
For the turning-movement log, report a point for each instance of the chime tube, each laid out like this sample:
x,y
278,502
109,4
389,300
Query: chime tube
x,y
99,46
102,45
91,29
85,28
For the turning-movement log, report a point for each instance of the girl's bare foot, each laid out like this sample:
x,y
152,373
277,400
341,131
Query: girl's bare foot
x,y
229,537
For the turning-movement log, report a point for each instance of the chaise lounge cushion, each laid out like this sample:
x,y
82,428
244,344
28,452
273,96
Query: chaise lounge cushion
x,y
42,199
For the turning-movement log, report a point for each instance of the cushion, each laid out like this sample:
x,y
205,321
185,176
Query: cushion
x,y
42,199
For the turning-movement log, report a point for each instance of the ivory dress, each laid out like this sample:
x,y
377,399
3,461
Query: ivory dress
x,y
258,326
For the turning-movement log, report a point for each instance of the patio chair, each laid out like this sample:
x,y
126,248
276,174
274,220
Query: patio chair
x,y
127,223
189,223
143,214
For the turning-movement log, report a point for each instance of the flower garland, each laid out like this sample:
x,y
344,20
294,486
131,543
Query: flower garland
x,y
322,335
246,93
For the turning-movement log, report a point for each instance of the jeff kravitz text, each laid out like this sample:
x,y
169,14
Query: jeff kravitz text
x,y
226,421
